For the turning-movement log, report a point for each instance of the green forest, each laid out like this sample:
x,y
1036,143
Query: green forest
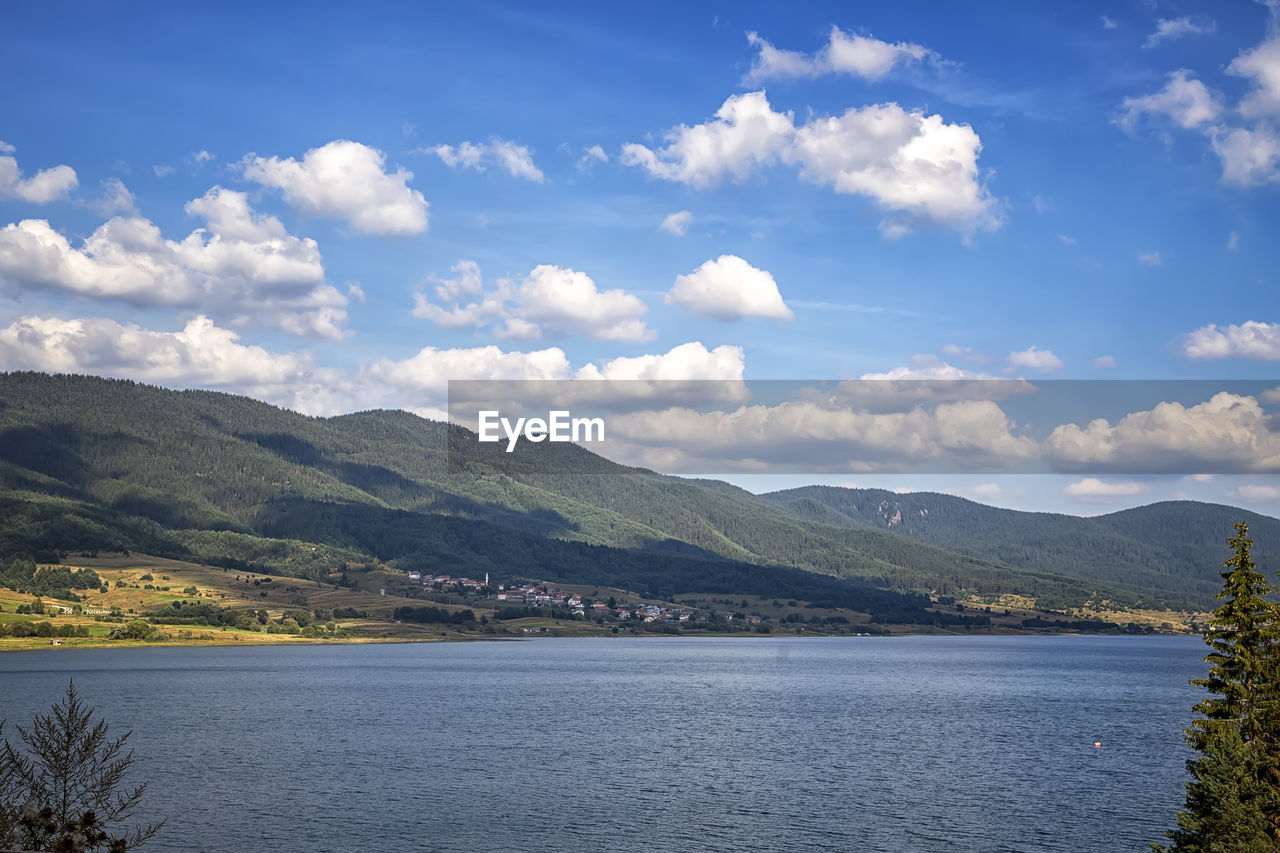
x,y
99,464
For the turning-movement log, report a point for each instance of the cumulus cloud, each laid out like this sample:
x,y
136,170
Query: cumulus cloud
x,y
1262,66
676,223
591,155
1168,29
745,135
41,188
687,361
345,180
918,168
1244,137
927,368
1227,433
1184,99
1250,156
844,53
1104,361
807,436
431,368
728,288
1034,359
1092,488
1250,339
201,354
242,263
515,160
551,302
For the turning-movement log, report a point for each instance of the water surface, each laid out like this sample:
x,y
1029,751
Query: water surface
x,y
842,744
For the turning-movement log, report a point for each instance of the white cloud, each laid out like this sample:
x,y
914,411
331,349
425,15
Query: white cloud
x,y
812,437
676,223
1150,259
1250,339
551,302
564,301
116,198
163,171
1255,492
515,160
687,361
729,288
1249,150
1228,432
1175,28
244,264
41,188
1034,359
1262,65
1109,23
345,180
927,369
1104,361
745,135
431,369
1093,488
590,156
1066,240
917,167
1233,241
199,355
1184,99
1250,156
202,156
844,53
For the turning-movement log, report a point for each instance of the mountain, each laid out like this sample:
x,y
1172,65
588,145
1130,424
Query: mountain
x,y
227,480
1176,547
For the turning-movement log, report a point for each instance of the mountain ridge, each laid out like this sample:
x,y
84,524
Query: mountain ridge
x,y
113,463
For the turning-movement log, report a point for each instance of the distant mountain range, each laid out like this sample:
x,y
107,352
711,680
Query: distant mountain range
x,y
111,464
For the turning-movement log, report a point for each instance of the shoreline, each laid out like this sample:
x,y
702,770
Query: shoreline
x,y
90,643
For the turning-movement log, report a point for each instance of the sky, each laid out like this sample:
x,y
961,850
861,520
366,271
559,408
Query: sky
x,y
336,208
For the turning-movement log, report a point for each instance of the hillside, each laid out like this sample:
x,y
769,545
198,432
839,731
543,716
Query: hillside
x,y
88,463
1174,546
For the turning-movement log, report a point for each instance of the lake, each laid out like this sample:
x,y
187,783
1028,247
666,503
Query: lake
x,y
842,744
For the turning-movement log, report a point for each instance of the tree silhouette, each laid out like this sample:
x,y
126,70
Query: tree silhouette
x,y
62,788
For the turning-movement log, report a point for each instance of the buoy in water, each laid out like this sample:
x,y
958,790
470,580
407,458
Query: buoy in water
x,y
1097,744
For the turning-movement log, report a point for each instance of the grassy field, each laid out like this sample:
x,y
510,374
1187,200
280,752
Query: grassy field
x,y
138,583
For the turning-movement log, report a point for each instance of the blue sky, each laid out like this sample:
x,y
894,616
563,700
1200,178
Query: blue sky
x,y
1002,189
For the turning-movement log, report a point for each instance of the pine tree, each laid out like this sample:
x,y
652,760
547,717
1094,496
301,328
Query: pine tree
x,y
63,788
1233,798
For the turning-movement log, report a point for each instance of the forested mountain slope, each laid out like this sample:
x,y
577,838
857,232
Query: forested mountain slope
x,y
1174,546
96,463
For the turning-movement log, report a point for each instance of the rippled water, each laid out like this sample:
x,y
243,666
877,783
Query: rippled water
x,y
848,744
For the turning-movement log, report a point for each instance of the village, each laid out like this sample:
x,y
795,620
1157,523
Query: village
x,y
541,595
